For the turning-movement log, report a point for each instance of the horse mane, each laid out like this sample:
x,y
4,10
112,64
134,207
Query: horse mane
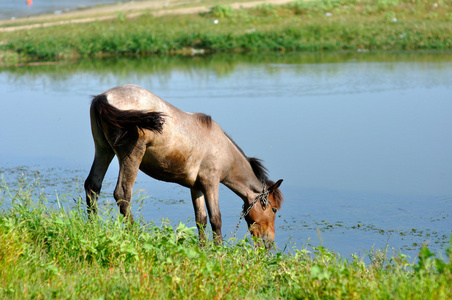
x,y
259,169
204,119
261,173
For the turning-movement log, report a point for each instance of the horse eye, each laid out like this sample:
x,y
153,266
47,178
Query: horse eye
x,y
274,210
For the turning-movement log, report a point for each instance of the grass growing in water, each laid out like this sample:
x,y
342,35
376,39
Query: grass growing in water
x,y
333,25
49,250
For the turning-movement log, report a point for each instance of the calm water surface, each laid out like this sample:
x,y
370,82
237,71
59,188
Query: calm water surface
x,y
363,143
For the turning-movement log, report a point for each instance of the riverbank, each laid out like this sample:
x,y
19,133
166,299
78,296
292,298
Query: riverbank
x,y
301,26
130,10
52,250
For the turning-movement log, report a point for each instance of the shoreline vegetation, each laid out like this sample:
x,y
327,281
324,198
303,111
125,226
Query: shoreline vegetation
x,y
298,26
51,249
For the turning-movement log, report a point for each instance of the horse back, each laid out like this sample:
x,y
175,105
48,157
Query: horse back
x,y
180,147
191,149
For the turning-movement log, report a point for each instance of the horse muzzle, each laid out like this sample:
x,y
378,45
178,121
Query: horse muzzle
x,y
265,240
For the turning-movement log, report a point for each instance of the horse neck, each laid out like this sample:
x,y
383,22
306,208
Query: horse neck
x,y
241,179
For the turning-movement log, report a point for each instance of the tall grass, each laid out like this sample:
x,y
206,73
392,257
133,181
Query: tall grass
x,y
334,25
51,249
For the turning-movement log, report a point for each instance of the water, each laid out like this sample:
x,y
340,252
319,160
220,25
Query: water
x,y
363,143
18,9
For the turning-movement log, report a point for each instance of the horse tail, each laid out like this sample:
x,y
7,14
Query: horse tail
x,y
125,123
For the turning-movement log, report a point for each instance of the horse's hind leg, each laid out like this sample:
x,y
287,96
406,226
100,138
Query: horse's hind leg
x,y
200,212
128,172
102,159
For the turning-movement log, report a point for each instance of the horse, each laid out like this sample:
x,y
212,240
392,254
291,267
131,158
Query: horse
x,y
149,134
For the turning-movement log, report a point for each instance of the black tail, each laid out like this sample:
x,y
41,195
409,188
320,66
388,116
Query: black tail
x,y
125,123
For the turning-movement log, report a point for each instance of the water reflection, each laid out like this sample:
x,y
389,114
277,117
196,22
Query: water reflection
x,y
352,135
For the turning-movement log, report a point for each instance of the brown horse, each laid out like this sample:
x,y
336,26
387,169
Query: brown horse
x,y
147,133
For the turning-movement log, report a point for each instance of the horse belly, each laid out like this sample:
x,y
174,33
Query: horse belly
x,y
173,166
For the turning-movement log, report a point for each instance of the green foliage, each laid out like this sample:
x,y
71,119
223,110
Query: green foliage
x,y
222,11
51,249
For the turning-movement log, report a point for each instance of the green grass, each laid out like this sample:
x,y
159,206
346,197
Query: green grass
x,y
50,249
301,26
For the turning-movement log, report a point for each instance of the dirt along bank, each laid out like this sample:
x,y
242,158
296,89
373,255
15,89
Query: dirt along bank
x,y
128,10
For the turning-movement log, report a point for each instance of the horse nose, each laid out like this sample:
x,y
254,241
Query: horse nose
x,y
269,241
269,244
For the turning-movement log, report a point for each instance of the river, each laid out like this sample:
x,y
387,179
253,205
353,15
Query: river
x,y
362,141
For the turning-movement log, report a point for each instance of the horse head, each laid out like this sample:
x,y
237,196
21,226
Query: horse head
x,y
260,214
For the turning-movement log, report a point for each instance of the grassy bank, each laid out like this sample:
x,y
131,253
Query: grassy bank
x,y
50,251
335,25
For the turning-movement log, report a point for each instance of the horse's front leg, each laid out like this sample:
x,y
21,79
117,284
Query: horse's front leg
x,y
128,172
200,213
213,207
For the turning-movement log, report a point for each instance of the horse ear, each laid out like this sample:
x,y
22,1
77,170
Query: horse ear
x,y
275,186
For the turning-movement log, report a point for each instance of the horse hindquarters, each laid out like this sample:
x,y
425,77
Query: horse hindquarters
x,y
102,159
128,171
117,132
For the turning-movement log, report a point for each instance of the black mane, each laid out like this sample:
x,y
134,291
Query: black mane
x,y
259,169
256,164
204,119
261,173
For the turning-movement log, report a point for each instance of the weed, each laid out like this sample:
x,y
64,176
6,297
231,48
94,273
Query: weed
x,y
52,250
222,11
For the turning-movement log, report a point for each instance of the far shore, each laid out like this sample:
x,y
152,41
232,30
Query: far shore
x,y
188,27
131,9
